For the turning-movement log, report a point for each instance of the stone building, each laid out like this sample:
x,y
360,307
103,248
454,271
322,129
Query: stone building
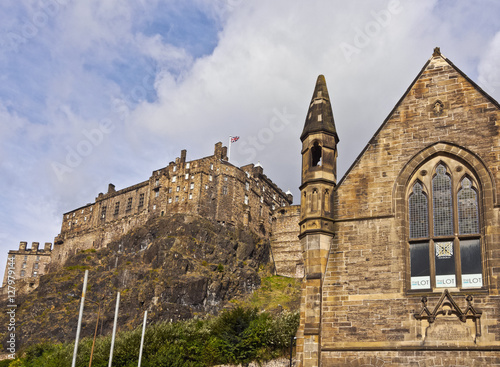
x,y
210,186
28,264
402,255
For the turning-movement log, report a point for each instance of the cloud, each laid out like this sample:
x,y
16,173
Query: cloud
x,y
133,83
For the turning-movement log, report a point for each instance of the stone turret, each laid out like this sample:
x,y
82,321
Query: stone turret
x,y
319,178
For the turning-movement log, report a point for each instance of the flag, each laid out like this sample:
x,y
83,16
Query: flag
x,y
234,139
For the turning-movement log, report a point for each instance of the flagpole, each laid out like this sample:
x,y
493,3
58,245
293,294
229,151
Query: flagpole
x,y
229,148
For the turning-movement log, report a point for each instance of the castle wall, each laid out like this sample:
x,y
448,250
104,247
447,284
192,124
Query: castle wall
x,y
285,244
210,186
28,264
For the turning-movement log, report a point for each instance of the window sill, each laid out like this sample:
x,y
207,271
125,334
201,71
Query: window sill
x,y
438,291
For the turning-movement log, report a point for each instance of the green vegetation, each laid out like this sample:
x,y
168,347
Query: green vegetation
x,y
276,293
236,336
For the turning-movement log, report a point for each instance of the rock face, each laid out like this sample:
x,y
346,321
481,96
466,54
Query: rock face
x,y
174,267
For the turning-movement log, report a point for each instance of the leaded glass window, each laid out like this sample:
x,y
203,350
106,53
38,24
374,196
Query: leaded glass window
x,y
442,201
439,256
419,221
468,218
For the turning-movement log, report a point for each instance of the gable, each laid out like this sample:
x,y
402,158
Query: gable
x,y
441,105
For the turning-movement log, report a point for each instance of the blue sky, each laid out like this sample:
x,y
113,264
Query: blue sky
x,y
128,84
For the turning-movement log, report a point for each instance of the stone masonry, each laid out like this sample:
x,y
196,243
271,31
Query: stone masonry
x,y
369,308
210,187
28,264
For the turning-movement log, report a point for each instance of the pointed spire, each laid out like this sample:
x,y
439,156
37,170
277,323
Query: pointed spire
x,y
320,116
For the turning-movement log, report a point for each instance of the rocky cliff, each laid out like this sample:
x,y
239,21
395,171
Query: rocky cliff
x,y
175,267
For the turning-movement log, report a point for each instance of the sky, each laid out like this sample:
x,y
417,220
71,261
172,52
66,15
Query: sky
x,y
94,92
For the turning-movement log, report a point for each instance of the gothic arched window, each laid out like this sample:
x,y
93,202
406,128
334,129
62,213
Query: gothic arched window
x,y
444,227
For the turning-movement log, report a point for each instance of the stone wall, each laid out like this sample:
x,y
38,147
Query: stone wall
x,y
368,305
210,186
28,264
285,245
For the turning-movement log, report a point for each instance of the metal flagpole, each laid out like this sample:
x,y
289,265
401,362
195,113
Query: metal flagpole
x,y
75,351
114,329
229,149
142,338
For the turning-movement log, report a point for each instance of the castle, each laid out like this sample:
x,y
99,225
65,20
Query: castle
x,y
400,258
211,187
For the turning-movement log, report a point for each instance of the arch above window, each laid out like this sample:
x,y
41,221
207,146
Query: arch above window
x,y
440,255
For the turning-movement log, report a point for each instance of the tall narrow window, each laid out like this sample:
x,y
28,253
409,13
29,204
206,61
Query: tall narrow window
x,y
439,256
442,201
418,208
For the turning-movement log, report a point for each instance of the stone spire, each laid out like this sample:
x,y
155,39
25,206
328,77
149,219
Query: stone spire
x,y
320,116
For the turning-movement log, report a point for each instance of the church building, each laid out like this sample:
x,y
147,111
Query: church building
x,y
402,254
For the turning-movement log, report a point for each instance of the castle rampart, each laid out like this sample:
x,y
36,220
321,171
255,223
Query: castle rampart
x,y
209,186
28,264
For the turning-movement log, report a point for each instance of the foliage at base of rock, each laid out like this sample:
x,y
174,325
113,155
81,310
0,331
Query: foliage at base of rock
x,y
236,336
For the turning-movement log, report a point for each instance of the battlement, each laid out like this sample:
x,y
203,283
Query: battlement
x,y
35,248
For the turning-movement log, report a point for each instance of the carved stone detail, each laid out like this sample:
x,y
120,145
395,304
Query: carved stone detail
x,y
446,307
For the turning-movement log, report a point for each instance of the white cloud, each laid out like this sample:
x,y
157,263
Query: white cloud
x,y
165,83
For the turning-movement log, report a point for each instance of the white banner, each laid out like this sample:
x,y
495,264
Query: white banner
x,y
472,280
443,281
421,282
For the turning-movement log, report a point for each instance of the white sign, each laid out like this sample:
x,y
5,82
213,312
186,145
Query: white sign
x,y
472,280
443,281
421,282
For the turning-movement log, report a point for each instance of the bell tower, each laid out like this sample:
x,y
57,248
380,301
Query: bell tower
x,y
319,178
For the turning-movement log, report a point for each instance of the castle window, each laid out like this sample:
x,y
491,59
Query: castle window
x,y
35,274
209,177
316,155
169,190
206,187
23,273
103,212
224,190
187,165
157,193
186,176
157,182
211,166
85,219
117,208
176,199
73,214
170,200
25,257
174,178
141,200
190,196
444,229
225,178
247,186
246,199
175,168
24,265
35,266
129,204
191,186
